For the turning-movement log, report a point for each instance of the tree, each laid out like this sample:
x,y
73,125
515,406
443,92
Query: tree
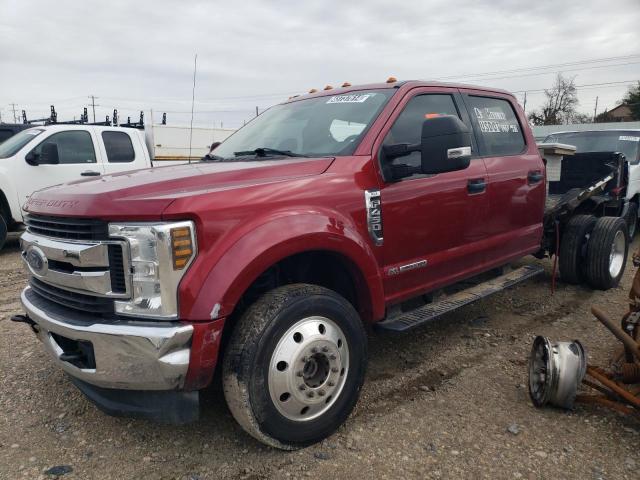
x,y
632,100
560,104
579,117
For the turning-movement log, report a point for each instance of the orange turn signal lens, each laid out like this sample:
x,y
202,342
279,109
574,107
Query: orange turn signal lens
x,y
181,247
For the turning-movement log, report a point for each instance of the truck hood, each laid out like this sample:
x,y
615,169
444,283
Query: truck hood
x,y
145,194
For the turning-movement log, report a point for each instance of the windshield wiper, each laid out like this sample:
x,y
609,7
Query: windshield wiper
x,y
265,151
209,157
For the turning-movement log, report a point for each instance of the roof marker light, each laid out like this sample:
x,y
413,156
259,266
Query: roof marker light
x,y
346,84
392,80
313,90
328,87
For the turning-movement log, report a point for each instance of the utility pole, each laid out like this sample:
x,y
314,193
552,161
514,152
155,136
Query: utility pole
x,y
93,106
257,112
13,106
524,107
193,101
595,110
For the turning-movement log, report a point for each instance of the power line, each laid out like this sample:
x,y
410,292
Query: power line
x,y
586,85
542,67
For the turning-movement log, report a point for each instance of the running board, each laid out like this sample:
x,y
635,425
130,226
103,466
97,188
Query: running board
x,y
432,311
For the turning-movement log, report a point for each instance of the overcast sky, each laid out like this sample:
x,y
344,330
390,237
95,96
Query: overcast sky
x,y
139,54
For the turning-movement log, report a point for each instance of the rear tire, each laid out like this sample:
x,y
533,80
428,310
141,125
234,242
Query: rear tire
x,y
294,366
573,248
4,231
631,218
607,253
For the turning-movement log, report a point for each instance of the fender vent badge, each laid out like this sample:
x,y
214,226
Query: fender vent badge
x,y
373,203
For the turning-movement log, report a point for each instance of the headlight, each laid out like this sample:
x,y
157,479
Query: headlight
x,y
160,255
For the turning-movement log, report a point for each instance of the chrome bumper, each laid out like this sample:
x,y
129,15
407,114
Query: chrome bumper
x,y
133,355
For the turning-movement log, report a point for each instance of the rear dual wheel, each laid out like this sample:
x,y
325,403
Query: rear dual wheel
x,y
607,253
594,250
294,366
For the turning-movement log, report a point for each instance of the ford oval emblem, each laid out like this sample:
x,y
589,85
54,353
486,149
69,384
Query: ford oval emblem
x,y
36,260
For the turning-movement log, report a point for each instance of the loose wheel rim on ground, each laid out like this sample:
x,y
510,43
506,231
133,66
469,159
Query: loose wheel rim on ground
x,y
308,368
616,257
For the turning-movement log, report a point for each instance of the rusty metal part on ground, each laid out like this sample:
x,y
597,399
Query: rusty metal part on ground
x,y
556,369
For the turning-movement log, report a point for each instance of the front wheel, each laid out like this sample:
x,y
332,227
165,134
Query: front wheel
x,y
3,231
294,366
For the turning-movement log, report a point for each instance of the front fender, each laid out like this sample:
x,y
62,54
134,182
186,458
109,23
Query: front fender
x,y
263,245
10,194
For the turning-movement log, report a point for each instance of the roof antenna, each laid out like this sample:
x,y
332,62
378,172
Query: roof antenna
x,y
193,98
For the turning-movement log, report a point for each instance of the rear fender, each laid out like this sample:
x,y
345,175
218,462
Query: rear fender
x,y
264,245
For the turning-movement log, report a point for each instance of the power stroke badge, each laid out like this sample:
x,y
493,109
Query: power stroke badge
x,y
373,203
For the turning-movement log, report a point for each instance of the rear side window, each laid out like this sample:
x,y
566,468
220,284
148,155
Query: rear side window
x,y
119,147
497,126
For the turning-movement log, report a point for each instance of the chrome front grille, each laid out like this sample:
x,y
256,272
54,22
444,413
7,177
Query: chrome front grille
x,y
80,273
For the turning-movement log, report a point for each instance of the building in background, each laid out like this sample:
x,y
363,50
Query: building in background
x,y
621,113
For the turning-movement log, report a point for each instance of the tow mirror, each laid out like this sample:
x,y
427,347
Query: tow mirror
x,y
32,158
446,145
49,154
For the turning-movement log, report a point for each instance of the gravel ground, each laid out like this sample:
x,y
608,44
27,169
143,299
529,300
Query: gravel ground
x,y
446,401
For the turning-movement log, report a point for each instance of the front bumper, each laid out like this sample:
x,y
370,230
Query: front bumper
x,y
128,355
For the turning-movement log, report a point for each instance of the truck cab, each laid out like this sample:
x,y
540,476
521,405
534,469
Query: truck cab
x,y
327,213
42,156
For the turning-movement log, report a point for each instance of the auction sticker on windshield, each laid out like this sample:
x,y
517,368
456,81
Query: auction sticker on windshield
x,y
629,139
354,98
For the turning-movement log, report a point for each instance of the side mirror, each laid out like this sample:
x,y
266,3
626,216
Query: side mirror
x,y
445,145
32,158
49,154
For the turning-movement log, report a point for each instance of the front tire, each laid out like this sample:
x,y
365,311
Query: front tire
x,y
294,365
607,253
4,231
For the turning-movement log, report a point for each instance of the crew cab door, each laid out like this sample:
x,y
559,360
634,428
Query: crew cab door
x,y
122,150
76,155
516,175
433,225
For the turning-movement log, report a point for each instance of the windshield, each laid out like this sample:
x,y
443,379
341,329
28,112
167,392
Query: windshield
x,y
322,126
10,147
626,142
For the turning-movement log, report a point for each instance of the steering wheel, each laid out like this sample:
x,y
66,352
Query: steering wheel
x,y
350,138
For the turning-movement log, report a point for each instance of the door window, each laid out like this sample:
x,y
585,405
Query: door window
x,y
408,126
74,146
119,147
497,125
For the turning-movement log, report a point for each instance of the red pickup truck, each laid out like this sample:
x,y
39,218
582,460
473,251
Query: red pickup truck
x,y
329,212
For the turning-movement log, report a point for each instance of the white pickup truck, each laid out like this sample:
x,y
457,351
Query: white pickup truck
x,y
43,156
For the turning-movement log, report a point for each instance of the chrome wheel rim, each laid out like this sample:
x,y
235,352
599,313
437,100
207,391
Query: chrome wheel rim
x,y
616,257
308,368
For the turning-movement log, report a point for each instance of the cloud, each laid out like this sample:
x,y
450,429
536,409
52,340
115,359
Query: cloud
x,y
135,55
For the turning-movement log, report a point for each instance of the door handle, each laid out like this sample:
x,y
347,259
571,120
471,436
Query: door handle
x,y
90,173
477,185
534,176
